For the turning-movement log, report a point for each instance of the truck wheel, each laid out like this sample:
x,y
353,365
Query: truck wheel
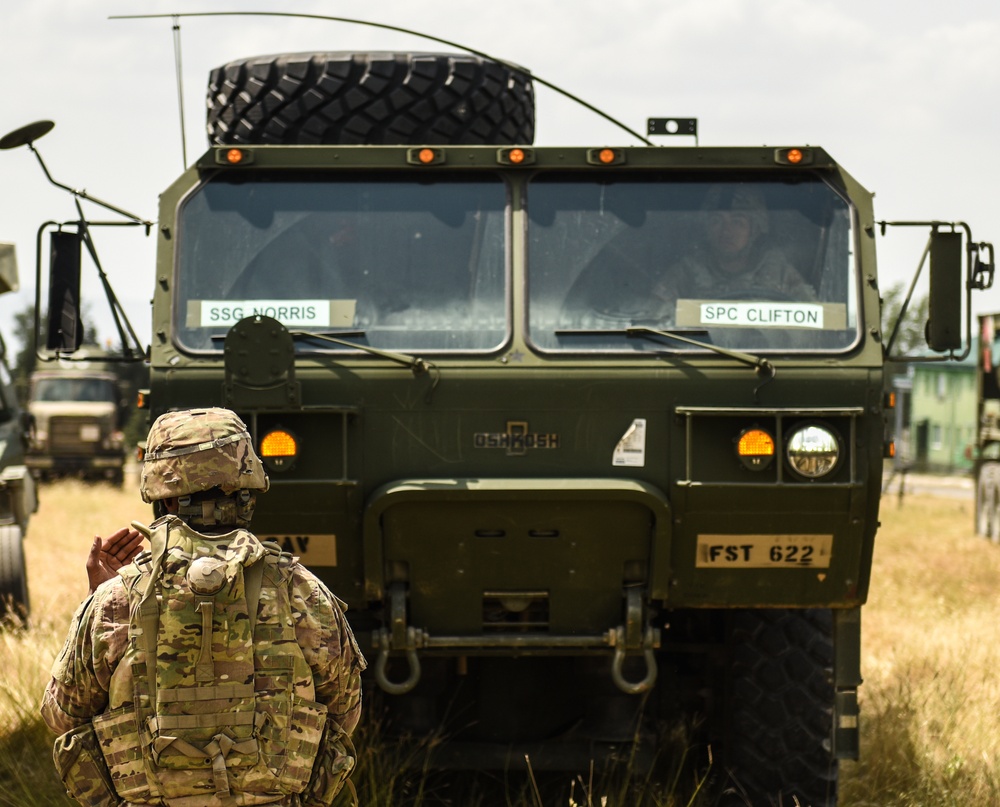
x,y
13,573
778,745
369,98
986,494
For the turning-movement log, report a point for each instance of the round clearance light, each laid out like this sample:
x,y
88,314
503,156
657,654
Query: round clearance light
x,y
813,451
755,448
278,450
234,156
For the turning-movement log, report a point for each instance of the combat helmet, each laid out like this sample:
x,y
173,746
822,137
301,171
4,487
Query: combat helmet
x,y
743,199
206,459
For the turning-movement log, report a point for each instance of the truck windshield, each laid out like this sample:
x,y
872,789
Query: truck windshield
x,y
395,264
92,390
739,261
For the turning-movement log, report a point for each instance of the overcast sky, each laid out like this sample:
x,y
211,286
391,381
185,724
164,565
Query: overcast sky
x,y
903,94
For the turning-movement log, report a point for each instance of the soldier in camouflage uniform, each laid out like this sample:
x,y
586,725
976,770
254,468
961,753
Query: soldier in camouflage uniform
x,y
734,259
254,687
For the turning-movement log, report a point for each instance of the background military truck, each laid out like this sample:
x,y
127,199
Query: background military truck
x,y
17,488
79,412
567,507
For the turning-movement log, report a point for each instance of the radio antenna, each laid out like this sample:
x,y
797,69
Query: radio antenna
x,y
386,27
180,87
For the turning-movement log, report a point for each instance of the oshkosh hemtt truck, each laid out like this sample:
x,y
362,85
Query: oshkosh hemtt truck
x,y
573,482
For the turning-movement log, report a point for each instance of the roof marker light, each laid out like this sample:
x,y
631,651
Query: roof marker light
x,y
233,156
605,156
425,156
516,156
793,156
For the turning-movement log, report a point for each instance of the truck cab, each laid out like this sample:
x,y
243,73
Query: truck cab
x,y
77,414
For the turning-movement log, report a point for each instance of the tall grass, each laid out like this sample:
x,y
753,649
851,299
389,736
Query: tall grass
x,y
930,702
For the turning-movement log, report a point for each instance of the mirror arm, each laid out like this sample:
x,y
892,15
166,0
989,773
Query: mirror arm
x,y
887,350
977,276
117,312
82,194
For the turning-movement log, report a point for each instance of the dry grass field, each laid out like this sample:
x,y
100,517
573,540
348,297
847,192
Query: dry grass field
x,y
930,703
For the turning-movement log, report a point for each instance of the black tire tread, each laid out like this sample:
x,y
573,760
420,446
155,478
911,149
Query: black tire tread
x,y
780,737
344,98
13,572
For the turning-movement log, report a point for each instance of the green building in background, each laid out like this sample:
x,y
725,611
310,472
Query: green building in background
x,y
936,430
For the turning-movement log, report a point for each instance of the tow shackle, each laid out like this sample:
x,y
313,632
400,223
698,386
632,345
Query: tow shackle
x,y
412,660
649,679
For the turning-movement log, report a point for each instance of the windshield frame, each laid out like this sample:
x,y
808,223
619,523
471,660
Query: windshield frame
x,y
215,337
633,348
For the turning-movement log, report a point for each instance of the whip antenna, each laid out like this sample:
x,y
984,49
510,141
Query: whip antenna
x,y
384,26
180,86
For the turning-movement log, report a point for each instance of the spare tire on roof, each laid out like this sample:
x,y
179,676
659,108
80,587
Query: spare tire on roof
x,y
370,98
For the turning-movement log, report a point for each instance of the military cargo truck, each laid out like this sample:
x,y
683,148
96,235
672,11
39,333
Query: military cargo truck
x,y
17,488
577,476
78,414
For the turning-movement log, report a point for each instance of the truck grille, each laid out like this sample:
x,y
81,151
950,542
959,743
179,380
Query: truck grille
x,y
74,435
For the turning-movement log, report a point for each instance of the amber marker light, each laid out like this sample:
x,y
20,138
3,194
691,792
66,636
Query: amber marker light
x,y
605,156
278,449
515,156
755,449
794,156
233,156
425,156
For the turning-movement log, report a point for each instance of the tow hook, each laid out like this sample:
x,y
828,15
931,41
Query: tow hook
x,y
383,641
632,636
617,638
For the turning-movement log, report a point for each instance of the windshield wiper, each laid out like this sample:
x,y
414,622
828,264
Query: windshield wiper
x,y
759,363
415,363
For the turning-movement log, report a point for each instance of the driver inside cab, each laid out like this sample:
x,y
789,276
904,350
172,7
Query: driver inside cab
x,y
734,257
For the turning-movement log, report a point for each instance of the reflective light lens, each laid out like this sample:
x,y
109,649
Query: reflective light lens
x,y
234,156
813,451
755,449
278,449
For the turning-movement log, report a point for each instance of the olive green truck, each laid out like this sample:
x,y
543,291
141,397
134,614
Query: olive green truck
x,y
576,480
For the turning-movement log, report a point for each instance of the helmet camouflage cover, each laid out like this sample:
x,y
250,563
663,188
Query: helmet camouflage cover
x,y
192,450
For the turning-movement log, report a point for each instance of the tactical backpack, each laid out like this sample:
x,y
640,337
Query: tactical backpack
x,y
214,702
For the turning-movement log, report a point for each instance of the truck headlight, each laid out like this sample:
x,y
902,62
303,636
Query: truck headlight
x,y
812,450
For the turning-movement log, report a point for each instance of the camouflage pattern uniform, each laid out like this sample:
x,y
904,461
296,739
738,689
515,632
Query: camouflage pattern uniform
x,y
92,676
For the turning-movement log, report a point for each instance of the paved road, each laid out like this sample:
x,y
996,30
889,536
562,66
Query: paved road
x,y
955,487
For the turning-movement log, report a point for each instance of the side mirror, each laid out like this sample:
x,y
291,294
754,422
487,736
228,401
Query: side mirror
x,y
944,323
65,330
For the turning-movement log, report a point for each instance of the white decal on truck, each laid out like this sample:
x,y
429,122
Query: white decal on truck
x,y
290,313
631,449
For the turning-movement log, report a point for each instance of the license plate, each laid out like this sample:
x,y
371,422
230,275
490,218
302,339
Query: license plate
x,y
764,551
90,433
